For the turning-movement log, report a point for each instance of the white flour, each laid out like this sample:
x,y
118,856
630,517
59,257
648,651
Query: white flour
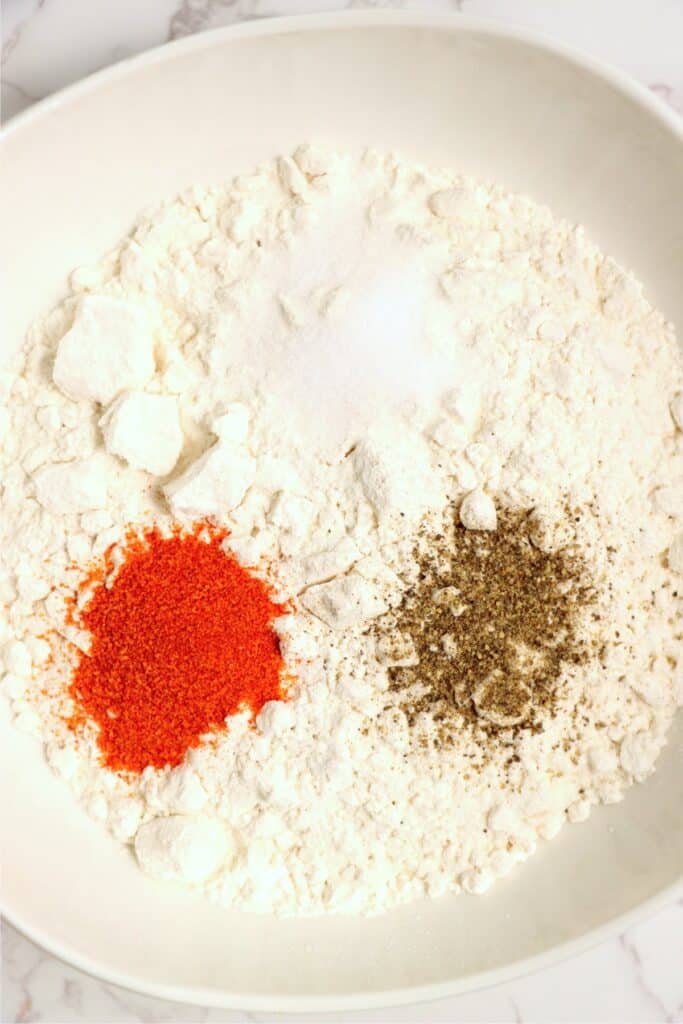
x,y
321,356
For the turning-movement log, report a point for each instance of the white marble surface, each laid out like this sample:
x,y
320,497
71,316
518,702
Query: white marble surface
x,y
49,43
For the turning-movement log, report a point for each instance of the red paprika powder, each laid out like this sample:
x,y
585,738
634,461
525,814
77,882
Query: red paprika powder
x,y
182,638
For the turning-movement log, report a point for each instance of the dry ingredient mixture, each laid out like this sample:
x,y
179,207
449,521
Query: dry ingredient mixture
x,y
341,534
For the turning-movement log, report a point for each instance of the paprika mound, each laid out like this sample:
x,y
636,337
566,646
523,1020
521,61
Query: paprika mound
x,y
181,638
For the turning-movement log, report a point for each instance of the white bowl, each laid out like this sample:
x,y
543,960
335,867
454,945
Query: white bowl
x,y
496,103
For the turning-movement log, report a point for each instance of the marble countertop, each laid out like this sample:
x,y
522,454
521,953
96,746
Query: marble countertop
x,y
48,44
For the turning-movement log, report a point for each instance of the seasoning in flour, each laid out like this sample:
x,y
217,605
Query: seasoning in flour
x,y
318,357
181,638
486,631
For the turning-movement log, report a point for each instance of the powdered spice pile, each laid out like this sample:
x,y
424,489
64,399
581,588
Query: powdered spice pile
x,y
491,624
181,639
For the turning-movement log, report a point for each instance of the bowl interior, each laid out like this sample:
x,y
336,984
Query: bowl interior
x,y
76,173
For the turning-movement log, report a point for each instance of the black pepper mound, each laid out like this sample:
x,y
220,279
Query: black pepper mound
x,y
489,627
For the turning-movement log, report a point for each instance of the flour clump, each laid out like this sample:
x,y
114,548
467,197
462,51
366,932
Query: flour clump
x,y
109,347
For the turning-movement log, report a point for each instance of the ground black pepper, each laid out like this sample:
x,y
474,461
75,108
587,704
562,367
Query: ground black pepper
x,y
484,634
